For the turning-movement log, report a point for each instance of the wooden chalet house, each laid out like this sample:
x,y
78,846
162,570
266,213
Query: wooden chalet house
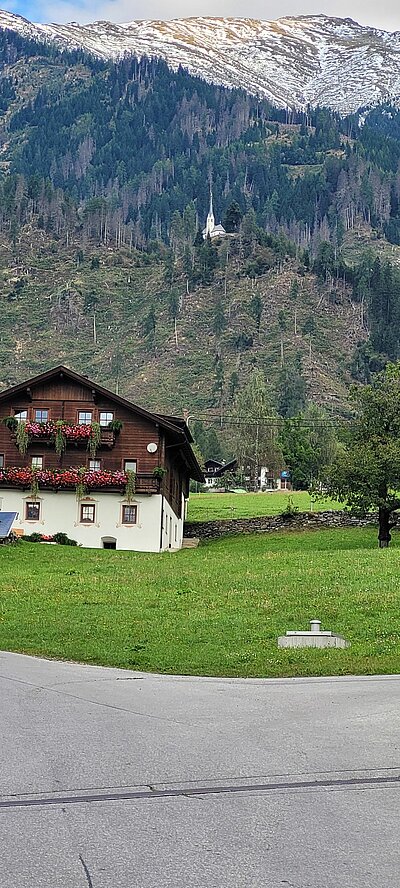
x,y
77,459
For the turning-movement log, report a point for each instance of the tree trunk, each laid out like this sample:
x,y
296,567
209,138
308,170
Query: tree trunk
x,y
384,535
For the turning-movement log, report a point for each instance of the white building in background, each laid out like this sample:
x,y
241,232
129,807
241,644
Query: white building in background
x,y
212,230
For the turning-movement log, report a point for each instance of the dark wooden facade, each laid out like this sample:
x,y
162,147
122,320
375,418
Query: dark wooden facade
x,y
64,394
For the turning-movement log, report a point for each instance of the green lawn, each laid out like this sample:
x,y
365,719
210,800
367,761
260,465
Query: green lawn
x,y
210,506
215,610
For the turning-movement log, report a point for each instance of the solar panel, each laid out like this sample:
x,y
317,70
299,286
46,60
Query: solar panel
x,y
6,522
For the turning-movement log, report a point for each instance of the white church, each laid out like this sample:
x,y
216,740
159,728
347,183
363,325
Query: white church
x,y
212,230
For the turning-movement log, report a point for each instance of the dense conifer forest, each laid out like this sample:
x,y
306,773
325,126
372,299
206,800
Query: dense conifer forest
x,y
105,173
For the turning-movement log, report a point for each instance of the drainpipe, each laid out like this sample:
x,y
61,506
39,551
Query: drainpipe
x,y
161,439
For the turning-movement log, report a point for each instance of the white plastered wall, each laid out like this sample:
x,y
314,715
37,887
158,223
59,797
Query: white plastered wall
x,y
172,530
60,512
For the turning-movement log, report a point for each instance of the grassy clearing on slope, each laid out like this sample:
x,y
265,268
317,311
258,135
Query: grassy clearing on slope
x,y
216,610
212,506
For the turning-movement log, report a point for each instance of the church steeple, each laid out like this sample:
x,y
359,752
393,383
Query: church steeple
x,y
210,224
212,230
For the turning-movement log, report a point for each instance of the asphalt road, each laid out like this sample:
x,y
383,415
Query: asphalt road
x,y
112,779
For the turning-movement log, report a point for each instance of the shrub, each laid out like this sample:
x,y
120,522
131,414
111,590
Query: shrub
x,y
63,540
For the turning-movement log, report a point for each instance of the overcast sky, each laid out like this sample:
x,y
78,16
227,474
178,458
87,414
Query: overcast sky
x,y
368,12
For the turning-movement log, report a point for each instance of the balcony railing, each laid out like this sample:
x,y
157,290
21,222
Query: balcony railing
x,y
107,439
26,478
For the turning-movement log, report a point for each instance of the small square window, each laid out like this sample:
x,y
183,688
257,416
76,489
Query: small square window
x,y
87,513
130,465
105,419
129,514
41,415
37,462
21,415
1,460
94,465
84,417
32,511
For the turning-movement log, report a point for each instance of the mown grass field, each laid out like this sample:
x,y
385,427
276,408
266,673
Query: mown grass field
x,y
211,506
216,610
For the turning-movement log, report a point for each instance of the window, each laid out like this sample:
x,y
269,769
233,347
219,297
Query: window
x,y
41,415
1,460
105,418
129,514
32,511
130,465
21,415
94,465
84,417
37,462
87,513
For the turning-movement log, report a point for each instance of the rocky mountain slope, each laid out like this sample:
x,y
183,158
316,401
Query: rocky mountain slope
x,y
293,62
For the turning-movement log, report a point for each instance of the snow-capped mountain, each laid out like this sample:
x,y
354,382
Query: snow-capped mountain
x,y
292,61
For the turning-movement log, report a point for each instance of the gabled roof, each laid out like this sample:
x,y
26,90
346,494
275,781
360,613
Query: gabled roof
x,y
227,467
175,426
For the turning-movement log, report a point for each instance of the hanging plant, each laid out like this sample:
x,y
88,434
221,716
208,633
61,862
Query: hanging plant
x,y
80,488
11,423
115,426
95,439
60,441
159,472
130,486
34,489
22,437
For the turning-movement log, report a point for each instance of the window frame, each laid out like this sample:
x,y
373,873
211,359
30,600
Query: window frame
x,y
85,413
37,456
126,506
105,423
42,410
130,470
88,521
36,505
17,415
98,462
2,460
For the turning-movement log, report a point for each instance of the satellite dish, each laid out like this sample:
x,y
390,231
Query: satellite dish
x,y
152,448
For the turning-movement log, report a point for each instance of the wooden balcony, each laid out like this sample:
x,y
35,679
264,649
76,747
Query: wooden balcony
x,y
147,483
107,438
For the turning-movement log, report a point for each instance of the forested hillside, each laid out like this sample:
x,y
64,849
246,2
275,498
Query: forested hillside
x,y
105,173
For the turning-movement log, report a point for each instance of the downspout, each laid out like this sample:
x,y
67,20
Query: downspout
x,y
162,461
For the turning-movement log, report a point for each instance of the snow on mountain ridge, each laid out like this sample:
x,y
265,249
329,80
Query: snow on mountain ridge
x,y
291,61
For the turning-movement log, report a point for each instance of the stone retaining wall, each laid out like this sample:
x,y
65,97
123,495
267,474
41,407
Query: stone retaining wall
x,y
213,530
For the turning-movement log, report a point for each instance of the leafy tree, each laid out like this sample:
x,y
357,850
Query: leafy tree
x,y
366,473
309,446
255,429
292,389
207,441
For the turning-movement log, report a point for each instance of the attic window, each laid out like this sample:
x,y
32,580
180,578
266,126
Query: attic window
x,y
41,415
21,415
105,419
